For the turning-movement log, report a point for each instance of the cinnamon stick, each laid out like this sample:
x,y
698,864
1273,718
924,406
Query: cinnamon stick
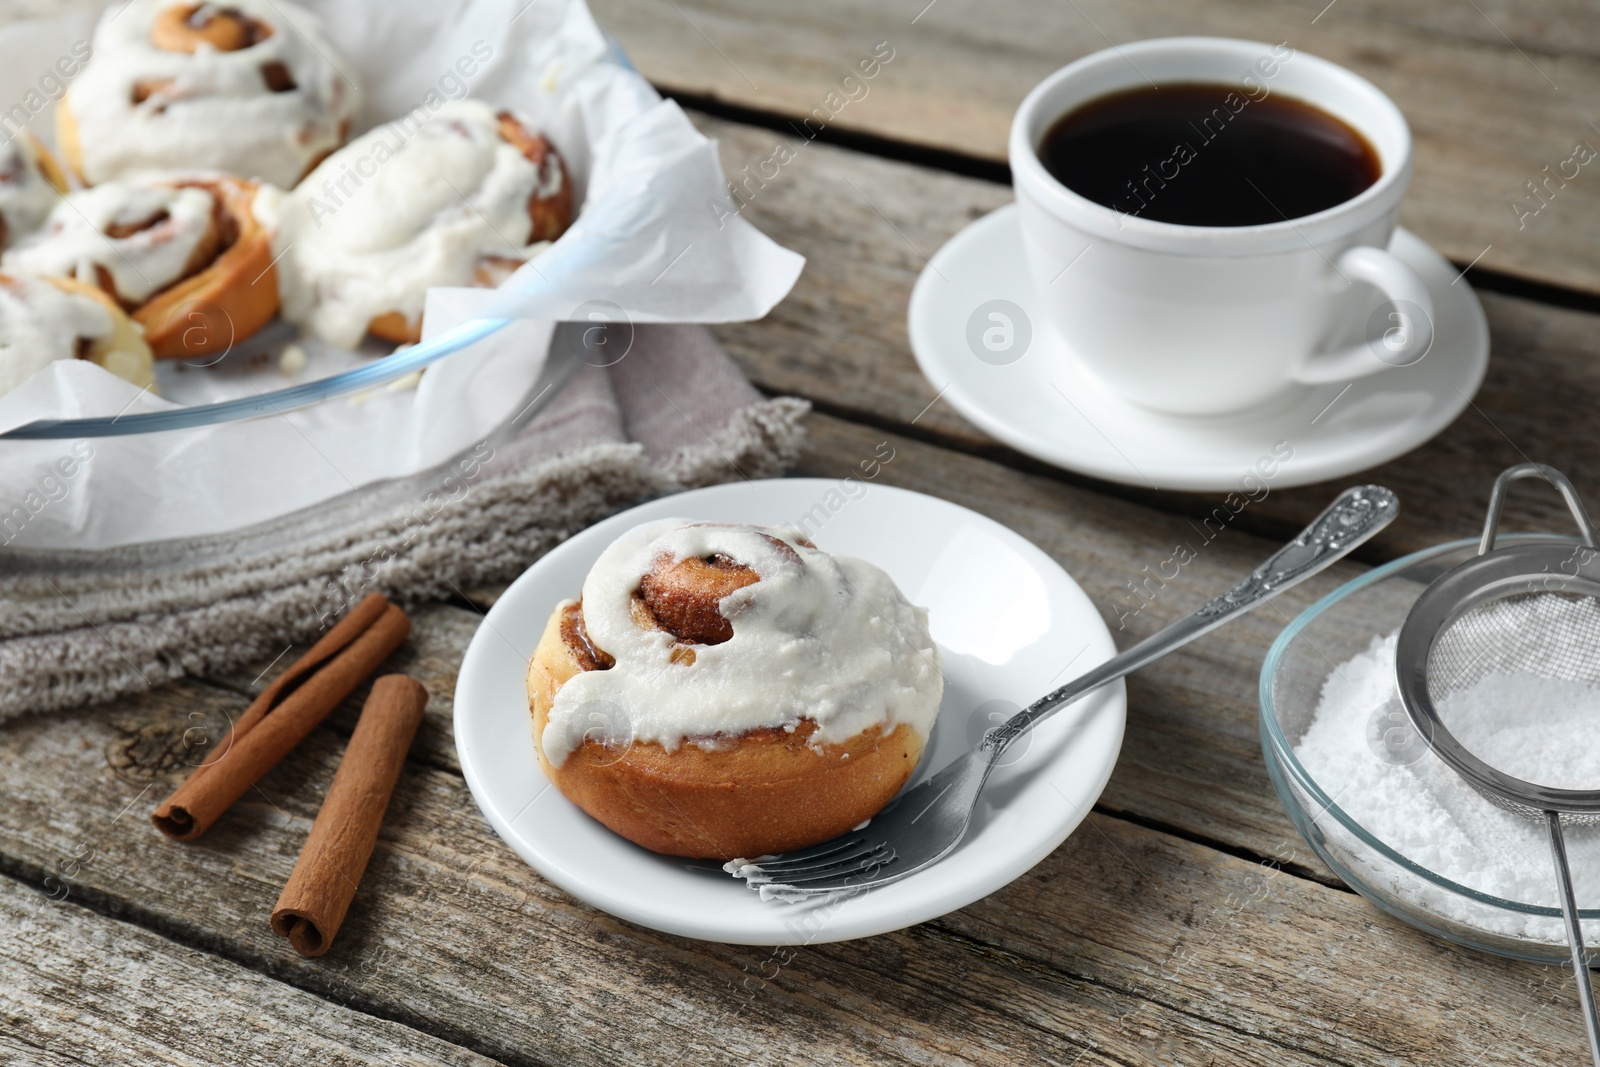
x,y
284,713
318,894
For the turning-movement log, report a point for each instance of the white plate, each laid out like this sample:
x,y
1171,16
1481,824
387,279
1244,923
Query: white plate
x,y
1042,404
1011,624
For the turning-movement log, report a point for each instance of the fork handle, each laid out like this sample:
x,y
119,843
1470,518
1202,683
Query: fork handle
x,y
1350,520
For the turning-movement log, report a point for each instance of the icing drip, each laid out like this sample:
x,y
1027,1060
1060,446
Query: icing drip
x,y
142,236
443,202
820,637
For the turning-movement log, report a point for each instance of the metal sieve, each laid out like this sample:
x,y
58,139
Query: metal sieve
x,y
1528,610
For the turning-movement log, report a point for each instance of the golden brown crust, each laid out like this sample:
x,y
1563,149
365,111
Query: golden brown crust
x,y
552,214
575,636
47,165
228,300
394,327
185,27
67,142
724,798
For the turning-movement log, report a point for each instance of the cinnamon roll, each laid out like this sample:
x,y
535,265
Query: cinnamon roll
x,y
30,184
723,691
463,198
248,87
185,254
47,319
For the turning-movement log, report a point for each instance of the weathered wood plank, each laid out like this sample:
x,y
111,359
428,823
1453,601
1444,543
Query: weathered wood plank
x,y
77,987
841,339
1356,984
452,932
1494,92
451,929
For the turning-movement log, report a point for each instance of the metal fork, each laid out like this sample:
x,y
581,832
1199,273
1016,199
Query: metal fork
x,y
922,826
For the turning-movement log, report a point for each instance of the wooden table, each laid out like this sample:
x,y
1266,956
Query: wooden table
x,y
1184,923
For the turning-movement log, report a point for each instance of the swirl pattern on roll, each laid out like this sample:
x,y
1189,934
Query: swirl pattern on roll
x,y
184,253
714,631
251,87
132,240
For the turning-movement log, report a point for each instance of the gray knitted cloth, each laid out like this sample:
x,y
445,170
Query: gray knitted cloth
x,y
673,415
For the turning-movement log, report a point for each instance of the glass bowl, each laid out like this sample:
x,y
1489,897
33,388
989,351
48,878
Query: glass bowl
x,y
1316,644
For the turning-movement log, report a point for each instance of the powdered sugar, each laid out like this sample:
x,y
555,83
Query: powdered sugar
x,y
1361,749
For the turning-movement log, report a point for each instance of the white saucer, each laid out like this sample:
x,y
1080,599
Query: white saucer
x,y
1042,405
1011,624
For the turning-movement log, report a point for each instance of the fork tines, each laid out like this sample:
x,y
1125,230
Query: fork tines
x,y
830,867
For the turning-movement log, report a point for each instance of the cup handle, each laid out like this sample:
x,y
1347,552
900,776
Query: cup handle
x,y
1406,338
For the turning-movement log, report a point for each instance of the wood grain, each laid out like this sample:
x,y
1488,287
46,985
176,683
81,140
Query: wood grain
x,y
1125,946
1494,92
77,987
866,225
451,930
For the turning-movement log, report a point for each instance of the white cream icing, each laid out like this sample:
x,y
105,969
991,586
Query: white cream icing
x,y
73,242
822,637
40,324
26,196
218,113
406,206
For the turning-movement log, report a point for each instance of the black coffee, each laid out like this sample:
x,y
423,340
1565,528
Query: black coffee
x,y
1208,155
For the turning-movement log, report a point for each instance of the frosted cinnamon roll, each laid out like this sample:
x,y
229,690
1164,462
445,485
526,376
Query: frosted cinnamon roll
x,y
43,320
249,87
30,185
186,255
723,691
463,198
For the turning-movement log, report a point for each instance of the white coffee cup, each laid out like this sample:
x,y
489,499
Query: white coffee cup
x,y
1204,320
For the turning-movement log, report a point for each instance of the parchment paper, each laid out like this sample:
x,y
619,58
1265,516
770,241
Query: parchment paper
x,y
655,241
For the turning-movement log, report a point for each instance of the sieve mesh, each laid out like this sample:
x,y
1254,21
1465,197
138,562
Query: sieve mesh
x,y
1543,634
1552,635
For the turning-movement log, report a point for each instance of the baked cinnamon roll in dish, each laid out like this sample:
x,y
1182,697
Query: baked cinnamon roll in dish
x,y
249,87
185,254
463,198
30,185
47,319
723,691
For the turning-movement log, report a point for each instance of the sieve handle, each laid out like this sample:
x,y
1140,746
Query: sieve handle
x,y
1349,521
1497,502
1569,912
